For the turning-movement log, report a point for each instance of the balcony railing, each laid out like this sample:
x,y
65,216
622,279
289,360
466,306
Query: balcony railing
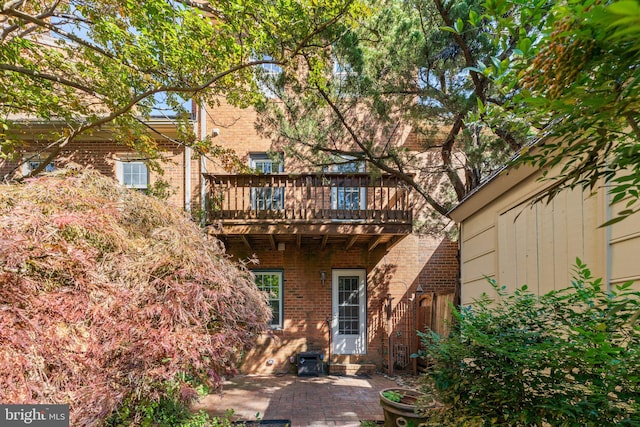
x,y
309,198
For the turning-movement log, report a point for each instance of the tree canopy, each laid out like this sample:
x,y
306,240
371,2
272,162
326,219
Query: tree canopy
x,y
409,66
82,65
578,81
477,81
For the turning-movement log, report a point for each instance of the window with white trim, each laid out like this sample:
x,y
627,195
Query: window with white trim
x,y
345,197
341,73
266,198
269,78
133,174
33,161
270,282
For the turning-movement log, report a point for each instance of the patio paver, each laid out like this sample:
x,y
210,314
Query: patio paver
x,y
306,401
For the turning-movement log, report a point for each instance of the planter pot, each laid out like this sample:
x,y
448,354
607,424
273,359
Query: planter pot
x,y
402,413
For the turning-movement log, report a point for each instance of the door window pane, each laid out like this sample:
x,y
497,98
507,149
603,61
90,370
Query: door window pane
x,y
348,305
347,197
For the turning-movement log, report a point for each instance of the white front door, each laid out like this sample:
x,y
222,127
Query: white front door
x,y
349,301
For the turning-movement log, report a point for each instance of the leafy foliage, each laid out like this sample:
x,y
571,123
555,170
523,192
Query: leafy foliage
x,y
569,357
170,410
83,65
393,396
107,296
578,81
405,92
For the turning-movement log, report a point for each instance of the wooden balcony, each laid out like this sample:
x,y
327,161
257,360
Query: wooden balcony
x,y
329,208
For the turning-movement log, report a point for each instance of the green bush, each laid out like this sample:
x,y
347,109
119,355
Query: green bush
x,y
569,357
170,410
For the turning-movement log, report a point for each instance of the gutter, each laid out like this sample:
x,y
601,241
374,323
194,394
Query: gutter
x,y
203,162
187,173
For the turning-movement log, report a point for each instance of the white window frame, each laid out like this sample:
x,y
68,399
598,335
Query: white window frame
x,y
265,198
344,165
280,297
340,73
120,173
33,160
267,74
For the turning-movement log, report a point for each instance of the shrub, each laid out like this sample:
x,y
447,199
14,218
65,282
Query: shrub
x,y
169,411
570,357
107,295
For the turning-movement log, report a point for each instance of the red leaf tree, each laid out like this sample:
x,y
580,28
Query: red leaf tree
x,y
105,294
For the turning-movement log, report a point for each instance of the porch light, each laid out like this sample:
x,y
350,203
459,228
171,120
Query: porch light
x,y
323,277
419,290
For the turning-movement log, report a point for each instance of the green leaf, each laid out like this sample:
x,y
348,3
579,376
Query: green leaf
x,y
612,221
624,7
473,18
449,29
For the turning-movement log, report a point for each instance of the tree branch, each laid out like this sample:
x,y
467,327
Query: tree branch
x,y
35,74
447,157
479,81
631,119
507,137
371,158
44,24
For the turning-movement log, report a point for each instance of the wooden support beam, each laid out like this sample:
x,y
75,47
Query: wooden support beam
x,y
352,241
324,242
245,240
375,243
311,228
272,240
299,240
394,241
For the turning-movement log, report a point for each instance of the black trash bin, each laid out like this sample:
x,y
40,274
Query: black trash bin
x,y
309,364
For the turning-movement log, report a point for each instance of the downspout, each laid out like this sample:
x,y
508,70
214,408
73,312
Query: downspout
x,y
203,162
458,291
328,322
187,172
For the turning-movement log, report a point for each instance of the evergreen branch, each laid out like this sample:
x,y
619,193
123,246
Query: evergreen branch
x,y
371,158
479,81
447,158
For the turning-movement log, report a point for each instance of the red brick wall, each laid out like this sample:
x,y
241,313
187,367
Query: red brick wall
x,y
432,263
237,130
425,261
102,156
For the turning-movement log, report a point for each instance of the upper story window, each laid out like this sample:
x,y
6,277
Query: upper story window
x,y
270,282
346,164
427,85
264,163
133,174
348,194
267,196
269,78
340,72
32,162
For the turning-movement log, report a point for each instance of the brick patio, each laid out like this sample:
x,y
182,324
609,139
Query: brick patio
x,y
306,401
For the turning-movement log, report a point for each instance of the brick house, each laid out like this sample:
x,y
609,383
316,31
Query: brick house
x,y
347,279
